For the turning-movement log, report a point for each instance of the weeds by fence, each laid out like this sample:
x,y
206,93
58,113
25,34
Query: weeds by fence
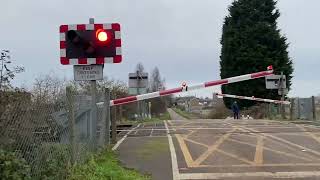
x,y
41,140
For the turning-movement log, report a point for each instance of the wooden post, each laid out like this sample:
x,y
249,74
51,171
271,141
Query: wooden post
x,y
299,110
71,119
270,111
314,109
267,111
120,113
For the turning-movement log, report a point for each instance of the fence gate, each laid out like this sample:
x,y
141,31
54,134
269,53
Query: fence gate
x,y
303,108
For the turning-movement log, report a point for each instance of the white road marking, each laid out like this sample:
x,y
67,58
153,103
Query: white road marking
x,y
244,175
174,129
123,138
174,161
262,165
302,174
223,128
129,137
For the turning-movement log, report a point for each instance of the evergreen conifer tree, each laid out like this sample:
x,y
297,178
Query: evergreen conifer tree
x,y
251,41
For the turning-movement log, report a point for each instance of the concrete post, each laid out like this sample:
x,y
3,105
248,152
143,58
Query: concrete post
x,y
282,107
93,122
149,107
105,120
114,124
292,105
108,114
71,120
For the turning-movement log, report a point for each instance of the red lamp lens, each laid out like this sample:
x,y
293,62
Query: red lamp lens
x,y
102,35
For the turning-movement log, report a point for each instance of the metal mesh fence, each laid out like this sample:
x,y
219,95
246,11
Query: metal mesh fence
x,y
51,137
304,108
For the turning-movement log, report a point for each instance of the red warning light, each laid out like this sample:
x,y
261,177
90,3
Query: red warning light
x,y
101,35
184,84
270,67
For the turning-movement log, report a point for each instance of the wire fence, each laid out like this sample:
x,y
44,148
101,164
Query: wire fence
x,y
49,138
301,109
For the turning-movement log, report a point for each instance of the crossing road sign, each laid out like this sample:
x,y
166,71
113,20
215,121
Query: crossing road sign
x,y
138,80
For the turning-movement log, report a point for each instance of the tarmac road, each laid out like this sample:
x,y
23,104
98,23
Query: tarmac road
x,y
224,149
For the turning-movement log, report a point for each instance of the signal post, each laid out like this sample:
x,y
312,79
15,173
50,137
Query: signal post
x,y
88,47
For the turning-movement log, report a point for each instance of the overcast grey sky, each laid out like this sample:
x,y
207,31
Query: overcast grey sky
x,y
181,37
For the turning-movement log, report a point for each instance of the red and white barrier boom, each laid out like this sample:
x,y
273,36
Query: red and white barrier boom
x,y
185,88
253,98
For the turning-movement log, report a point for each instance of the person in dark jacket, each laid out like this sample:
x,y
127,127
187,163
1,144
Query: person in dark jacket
x,y
235,109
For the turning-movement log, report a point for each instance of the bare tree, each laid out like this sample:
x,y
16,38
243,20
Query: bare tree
x,y
158,105
156,82
7,73
118,88
48,89
140,67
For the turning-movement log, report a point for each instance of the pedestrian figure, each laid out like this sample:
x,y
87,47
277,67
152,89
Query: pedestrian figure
x,y
235,109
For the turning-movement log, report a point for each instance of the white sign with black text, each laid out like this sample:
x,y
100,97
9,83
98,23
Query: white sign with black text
x,y
274,82
88,72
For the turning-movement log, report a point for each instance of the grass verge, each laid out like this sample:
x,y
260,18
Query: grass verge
x,y
161,118
152,148
104,165
183,113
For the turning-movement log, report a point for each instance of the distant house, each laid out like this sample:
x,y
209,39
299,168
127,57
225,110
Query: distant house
x,y
317,100
183,101
195,105
180,102
216,100
206,102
